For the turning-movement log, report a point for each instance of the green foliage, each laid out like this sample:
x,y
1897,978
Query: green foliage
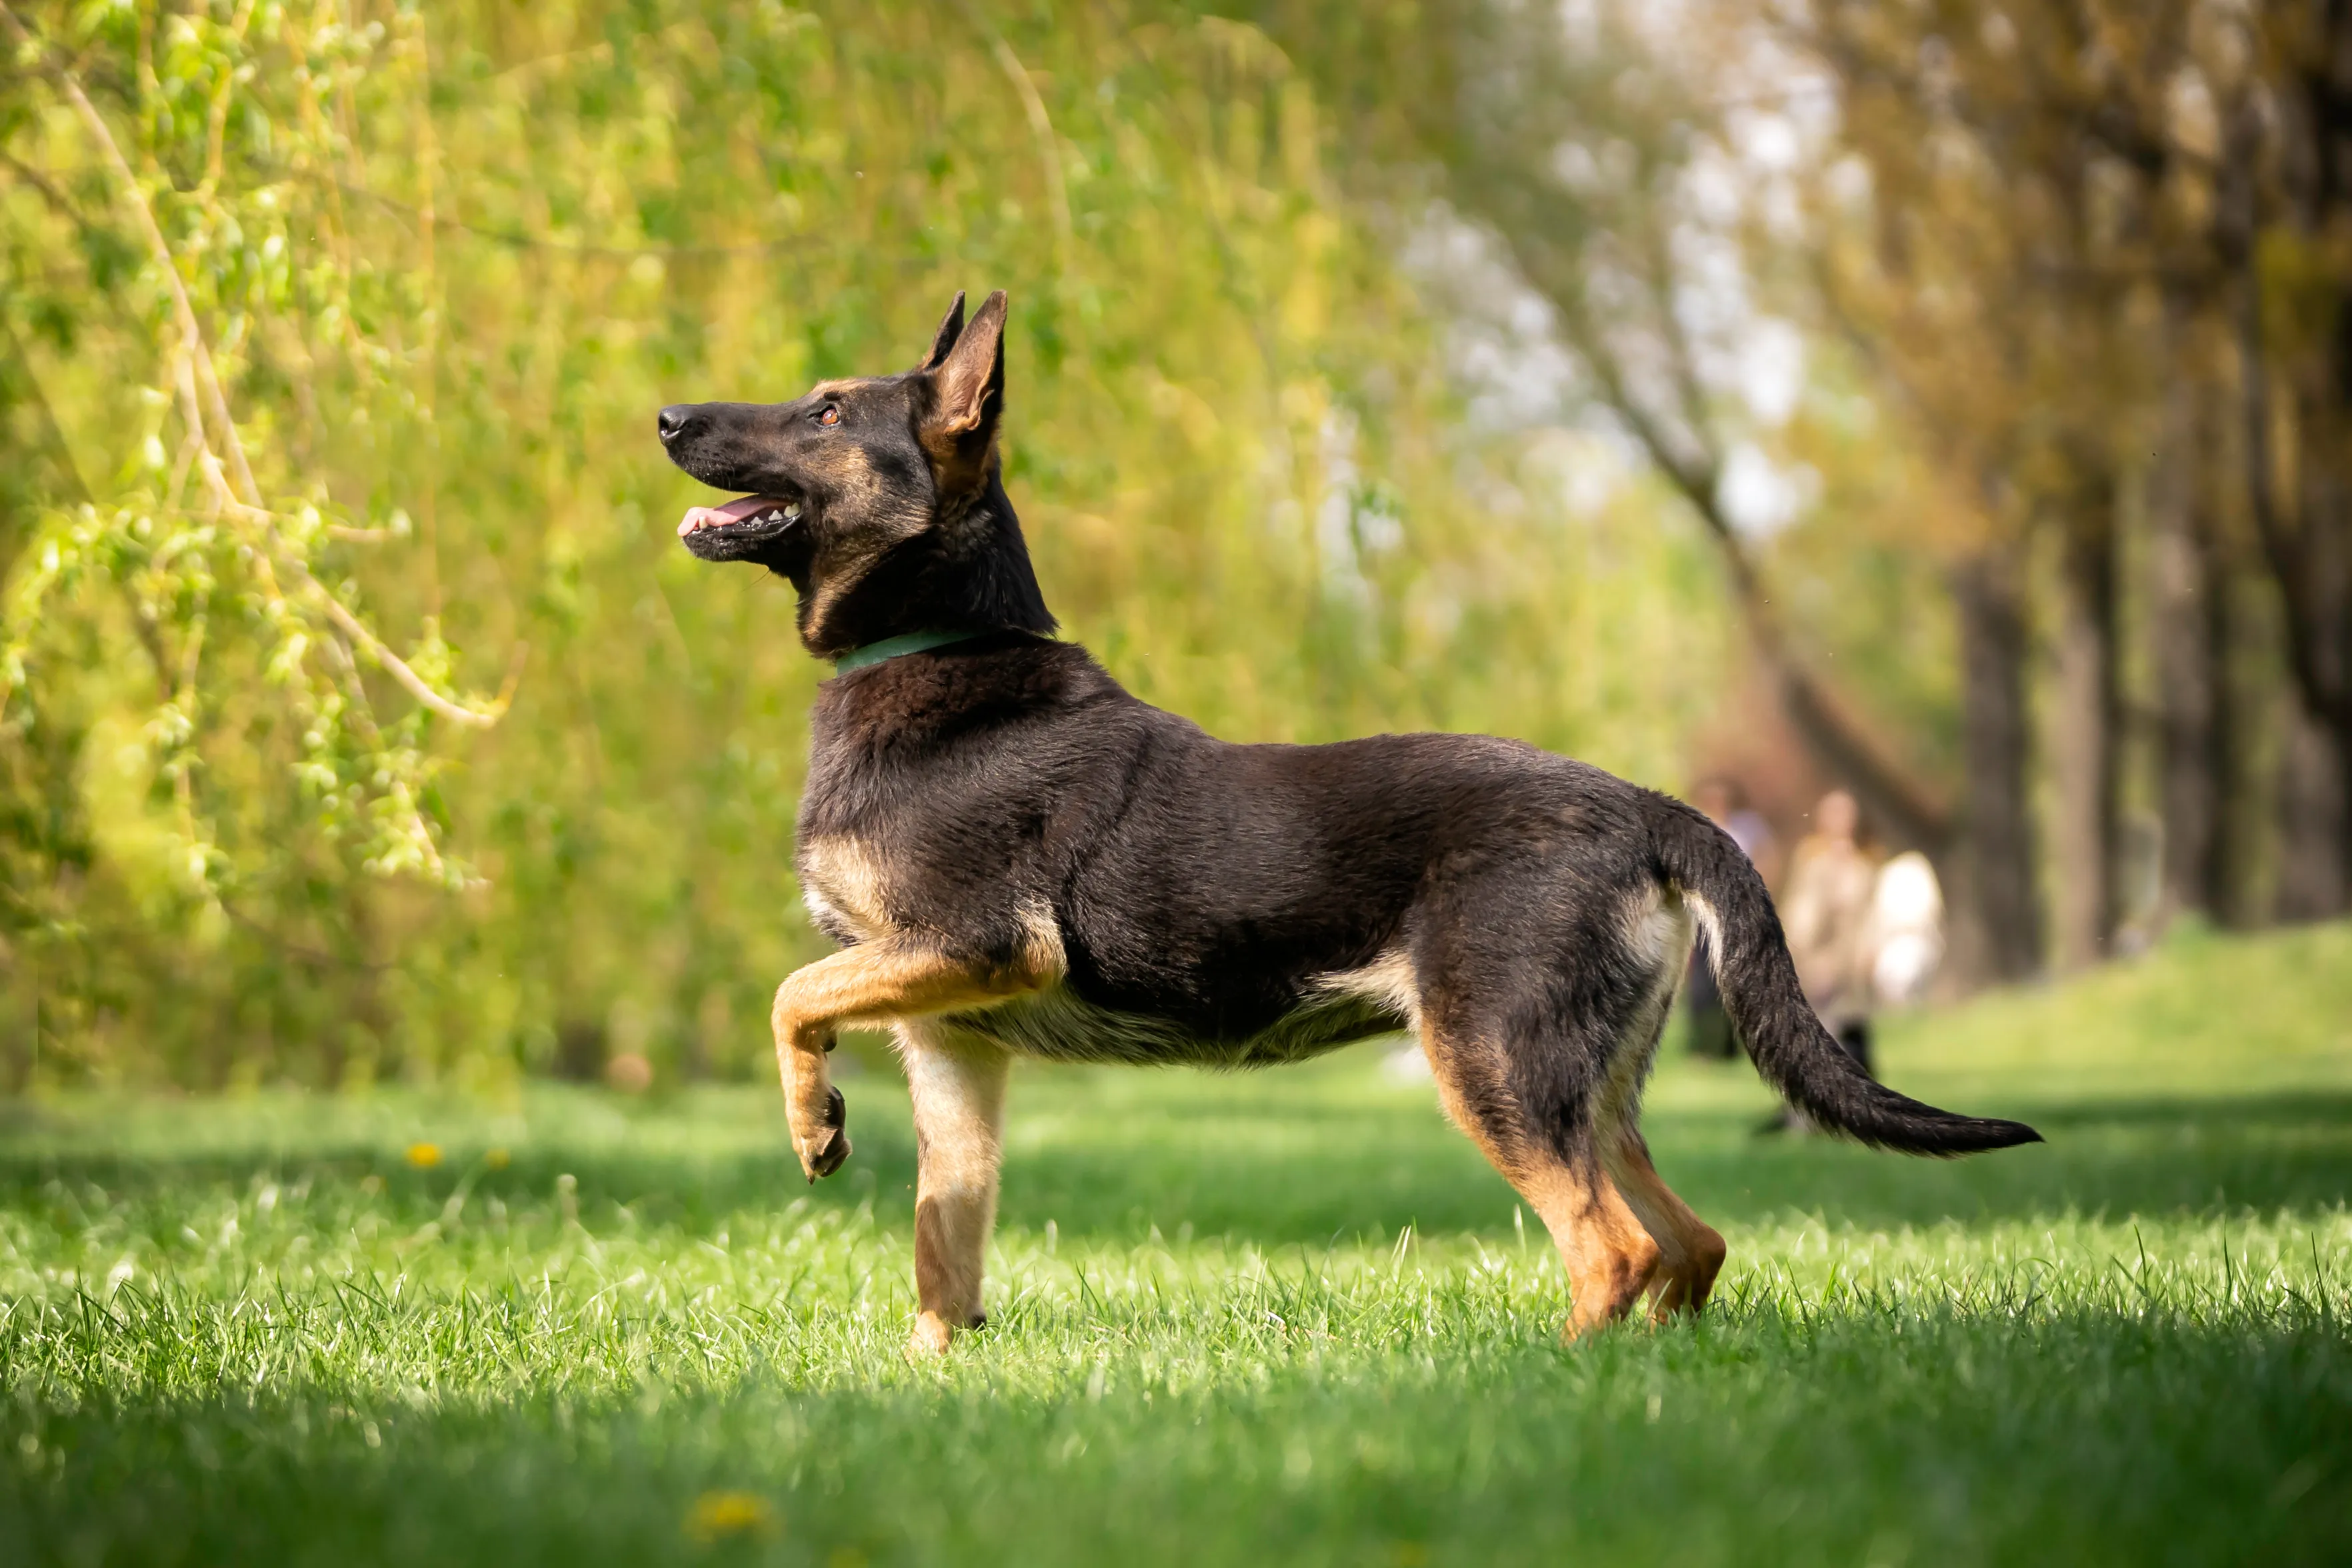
x,y
1281,1316
445,264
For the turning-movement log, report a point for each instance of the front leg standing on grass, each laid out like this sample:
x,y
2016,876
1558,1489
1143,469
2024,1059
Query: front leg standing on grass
x,y
957,1080
959,1093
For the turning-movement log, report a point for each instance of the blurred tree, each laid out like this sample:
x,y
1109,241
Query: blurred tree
x,y
1986,240
445,262
2281,199
2059,241
184,634
2190,144
1592,143
1987,356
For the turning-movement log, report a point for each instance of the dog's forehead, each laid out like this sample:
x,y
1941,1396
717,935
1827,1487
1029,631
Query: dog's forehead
x,y
852,386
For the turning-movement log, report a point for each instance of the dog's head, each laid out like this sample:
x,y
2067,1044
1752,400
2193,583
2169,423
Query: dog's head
x,y
879,478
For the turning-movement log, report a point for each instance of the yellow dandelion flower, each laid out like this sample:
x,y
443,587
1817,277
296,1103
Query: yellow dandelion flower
x,y
718,1515
425,1156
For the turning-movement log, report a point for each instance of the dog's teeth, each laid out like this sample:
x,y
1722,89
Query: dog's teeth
x,y
792,512
773,517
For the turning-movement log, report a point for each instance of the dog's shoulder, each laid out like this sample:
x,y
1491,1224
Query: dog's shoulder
x,y
940,786
1003,712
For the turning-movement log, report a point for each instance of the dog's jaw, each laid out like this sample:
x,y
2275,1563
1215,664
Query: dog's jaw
x,y
742,529
770,510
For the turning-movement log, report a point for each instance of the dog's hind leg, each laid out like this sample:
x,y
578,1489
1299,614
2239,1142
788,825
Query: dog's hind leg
x,y
958,1084
1690,1251
1610,1257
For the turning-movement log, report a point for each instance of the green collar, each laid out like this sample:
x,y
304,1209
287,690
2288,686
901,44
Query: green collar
x,y
891,648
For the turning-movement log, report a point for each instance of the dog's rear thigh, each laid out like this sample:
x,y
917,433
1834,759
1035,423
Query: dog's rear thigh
x,y
958,1085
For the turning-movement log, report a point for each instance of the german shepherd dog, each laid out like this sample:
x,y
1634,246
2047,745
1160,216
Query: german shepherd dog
x,y
1018,858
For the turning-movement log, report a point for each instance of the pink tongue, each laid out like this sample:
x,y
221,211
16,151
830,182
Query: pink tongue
x,y
700,516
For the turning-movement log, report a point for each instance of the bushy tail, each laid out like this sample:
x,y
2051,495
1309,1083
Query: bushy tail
x,y
1758,983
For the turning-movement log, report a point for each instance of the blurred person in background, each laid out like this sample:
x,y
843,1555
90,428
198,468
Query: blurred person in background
x,y
1725,803
1832,889
1906,939
1863,933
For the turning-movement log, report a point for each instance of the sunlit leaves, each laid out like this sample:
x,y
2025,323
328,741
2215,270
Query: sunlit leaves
x,y
444,336
221,587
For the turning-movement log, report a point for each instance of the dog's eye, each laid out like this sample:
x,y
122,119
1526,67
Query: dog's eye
x,y
830,416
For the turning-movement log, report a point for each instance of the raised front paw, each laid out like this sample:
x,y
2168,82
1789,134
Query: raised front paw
x,y
827,1145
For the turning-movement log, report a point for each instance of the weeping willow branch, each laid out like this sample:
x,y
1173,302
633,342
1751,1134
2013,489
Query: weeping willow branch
x,y
159,249
416,685
206,401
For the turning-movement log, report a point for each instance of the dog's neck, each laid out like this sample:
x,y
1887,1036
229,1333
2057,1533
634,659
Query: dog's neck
x,y
968,572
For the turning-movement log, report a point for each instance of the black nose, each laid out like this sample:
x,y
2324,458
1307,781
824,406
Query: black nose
x,y
672,420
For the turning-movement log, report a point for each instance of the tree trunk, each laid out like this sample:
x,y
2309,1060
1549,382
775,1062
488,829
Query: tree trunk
x,y
1996,928
2311,562
2088,734
2242,805
2312,820
2187,631
2295,344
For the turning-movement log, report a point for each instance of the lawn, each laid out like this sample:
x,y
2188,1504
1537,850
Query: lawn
x,y
1284,1318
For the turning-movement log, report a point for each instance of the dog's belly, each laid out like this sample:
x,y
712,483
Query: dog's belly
x,y
1057,1025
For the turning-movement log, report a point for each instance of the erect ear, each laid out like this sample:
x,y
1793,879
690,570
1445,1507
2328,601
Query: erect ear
x,y
968,386
951,329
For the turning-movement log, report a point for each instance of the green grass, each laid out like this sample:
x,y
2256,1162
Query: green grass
x,y
1284,1317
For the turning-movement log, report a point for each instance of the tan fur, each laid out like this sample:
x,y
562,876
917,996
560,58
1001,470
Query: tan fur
x,y
1610,1257
1710,924
1658,927
1387,980
958,1085
1042,948
1657,931
1619,1229
1690,1251
843,877
889,977
960,465
848,474
872,982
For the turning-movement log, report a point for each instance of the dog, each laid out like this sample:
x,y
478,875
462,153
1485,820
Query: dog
x,y
1019,858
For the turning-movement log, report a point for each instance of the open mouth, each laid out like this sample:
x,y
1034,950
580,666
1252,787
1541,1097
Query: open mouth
x,y
768,514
